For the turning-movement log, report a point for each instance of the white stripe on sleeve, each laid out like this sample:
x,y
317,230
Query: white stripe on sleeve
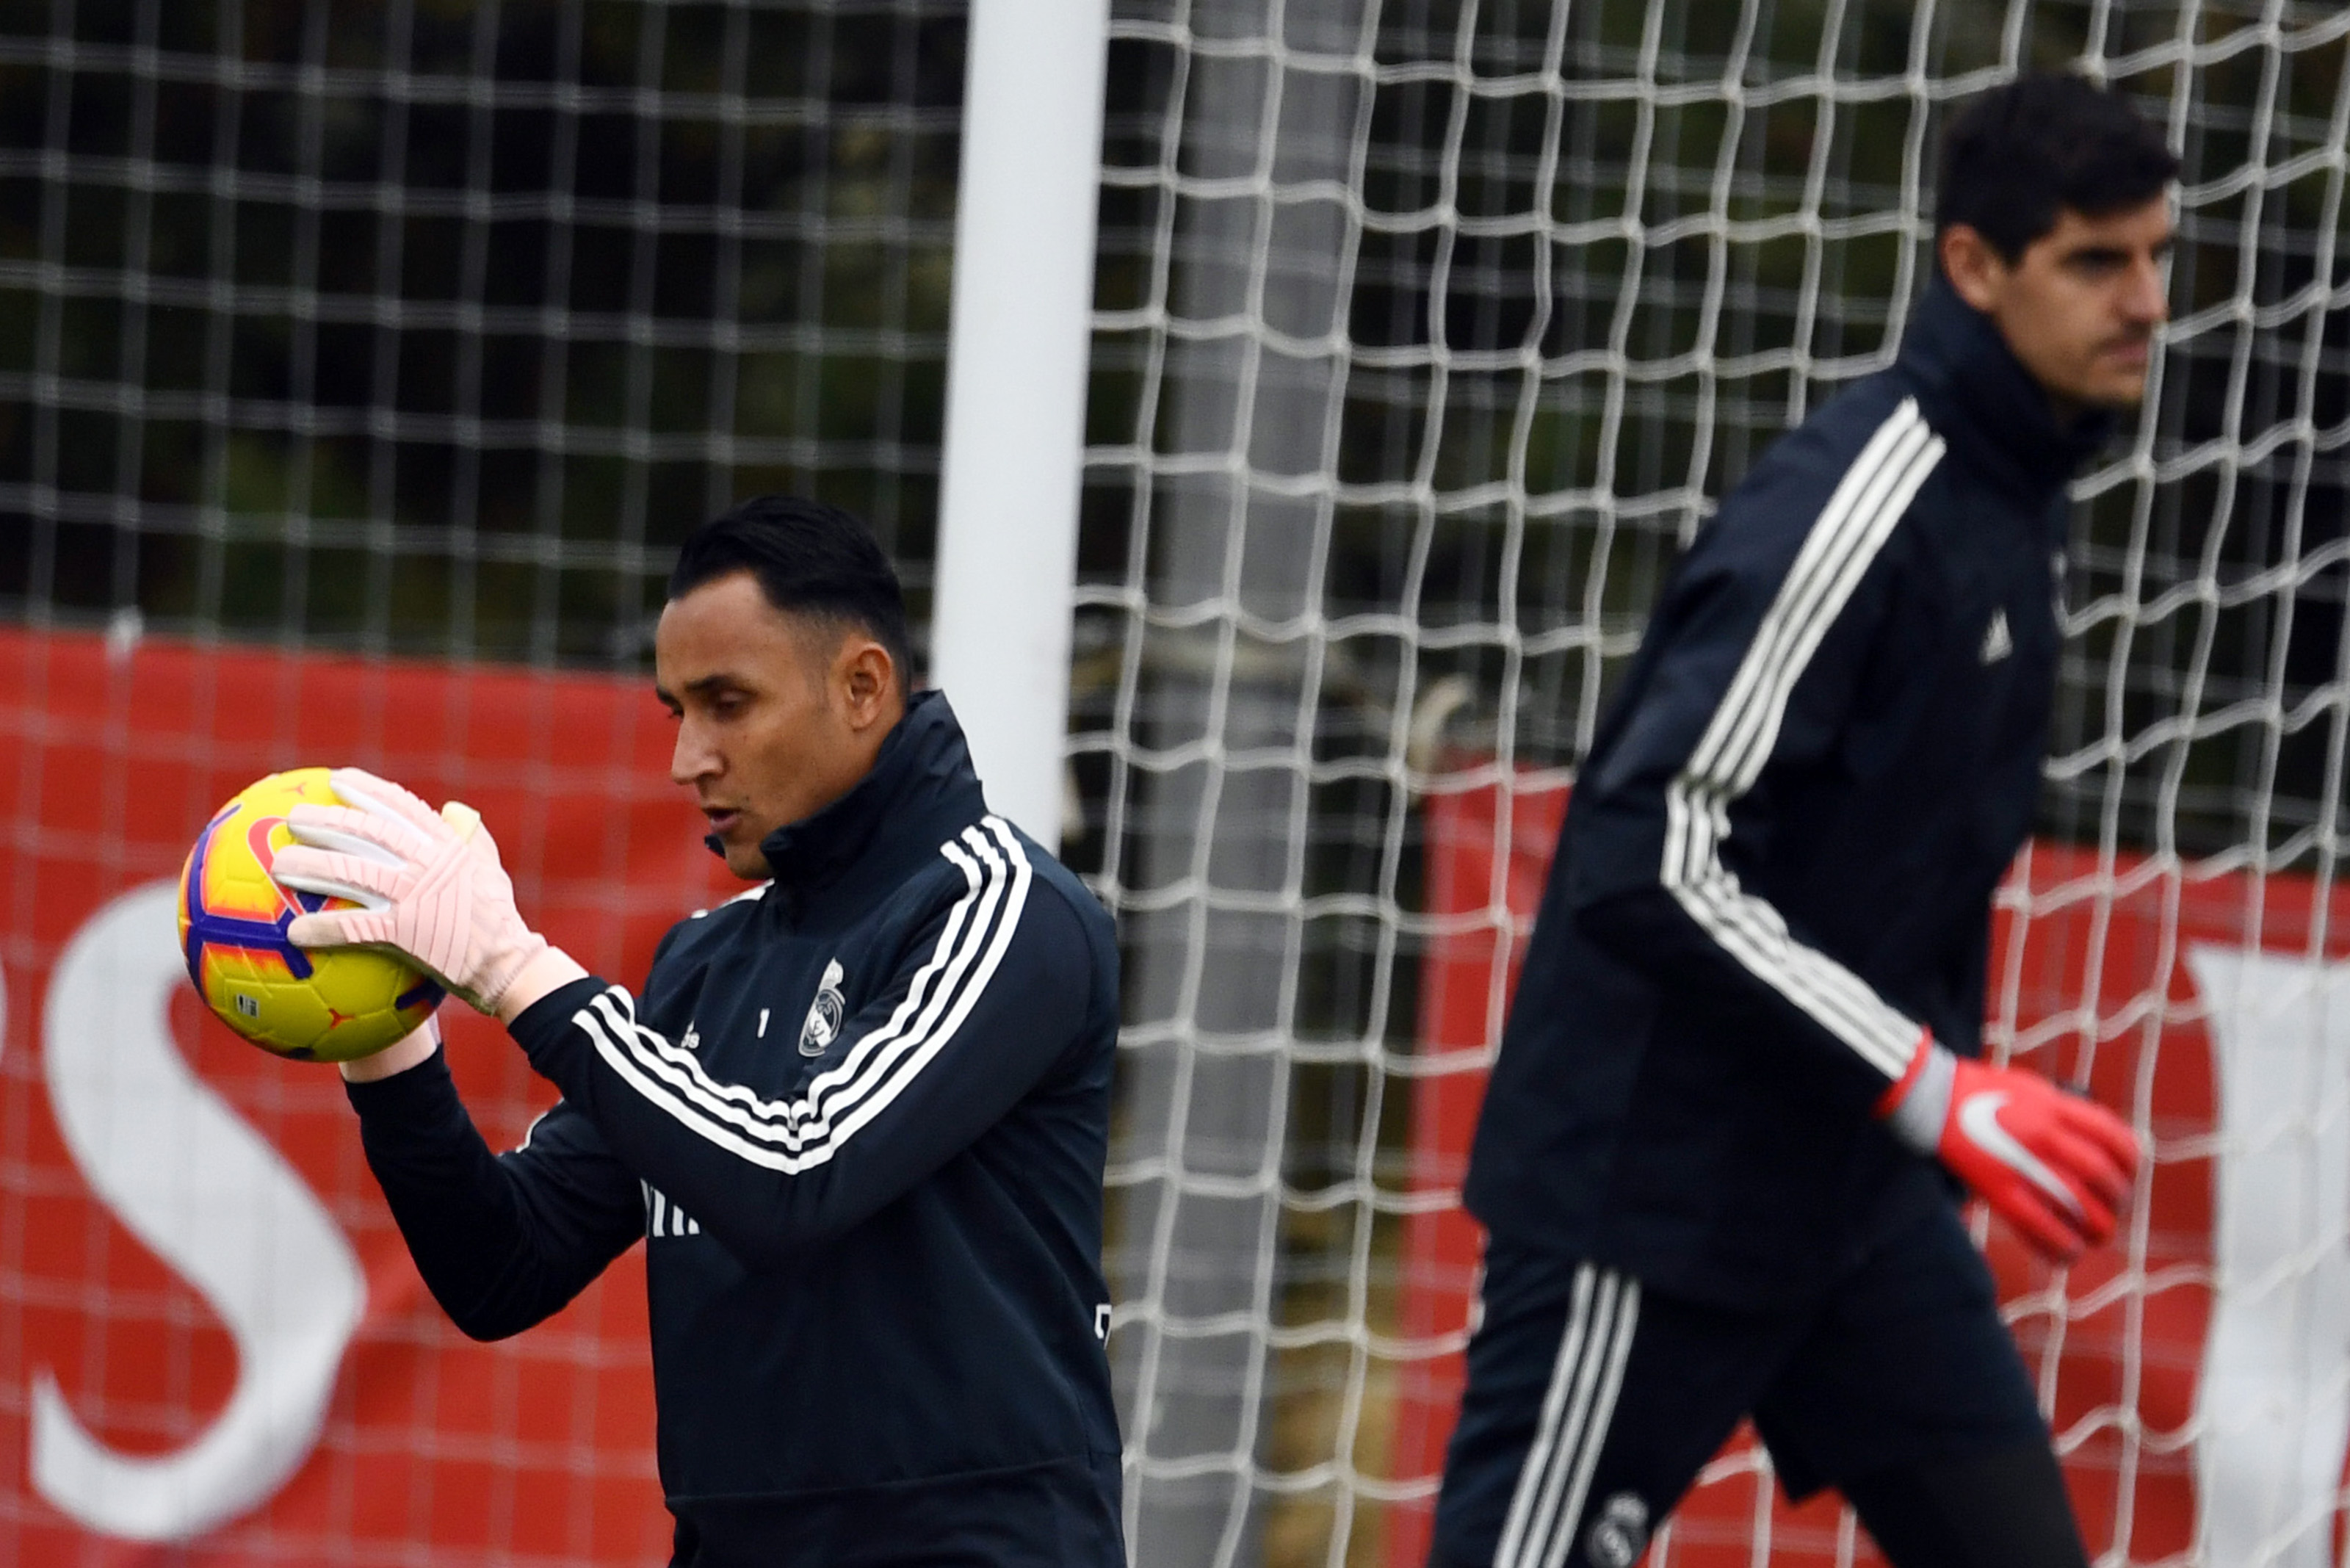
x,y
1850,530
796,1134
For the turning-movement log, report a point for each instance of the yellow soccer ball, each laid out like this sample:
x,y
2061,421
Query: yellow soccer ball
x,y
327,1006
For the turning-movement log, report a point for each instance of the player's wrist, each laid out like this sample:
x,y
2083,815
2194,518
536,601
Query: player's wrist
x,y
411,1050
545,972
1917,1104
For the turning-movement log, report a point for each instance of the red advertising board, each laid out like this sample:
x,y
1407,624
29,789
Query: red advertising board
x,y
214,1349
2185,1437
167,1370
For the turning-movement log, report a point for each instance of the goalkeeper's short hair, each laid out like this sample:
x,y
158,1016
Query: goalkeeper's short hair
x,y
810,559
2019,154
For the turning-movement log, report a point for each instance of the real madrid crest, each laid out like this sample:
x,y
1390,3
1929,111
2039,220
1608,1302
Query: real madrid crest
x,y
823,1013
1620,1532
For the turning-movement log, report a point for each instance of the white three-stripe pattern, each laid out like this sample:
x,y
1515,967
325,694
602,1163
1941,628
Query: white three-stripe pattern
x,y
806,1130
1850,530
663,1217
1547,1505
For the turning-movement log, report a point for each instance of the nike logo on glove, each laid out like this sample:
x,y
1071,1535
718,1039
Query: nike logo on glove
x,y
1979,1120
2058,1167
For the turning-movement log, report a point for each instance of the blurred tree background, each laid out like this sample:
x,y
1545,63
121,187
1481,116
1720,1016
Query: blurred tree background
x,y
430,328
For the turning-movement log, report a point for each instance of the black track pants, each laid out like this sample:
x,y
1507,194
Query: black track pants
x,y
1592,1404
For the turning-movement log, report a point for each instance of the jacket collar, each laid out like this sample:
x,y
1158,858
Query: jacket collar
x,y
1984,400
921,791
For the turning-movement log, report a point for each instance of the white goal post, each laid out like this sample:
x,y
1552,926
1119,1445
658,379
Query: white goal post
x,y
1024,255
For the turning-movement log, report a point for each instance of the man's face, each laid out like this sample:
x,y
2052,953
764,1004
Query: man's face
x,y
2080,306
778,714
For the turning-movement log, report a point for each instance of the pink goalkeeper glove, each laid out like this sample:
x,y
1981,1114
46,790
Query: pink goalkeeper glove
x,y
2055,1166
431,888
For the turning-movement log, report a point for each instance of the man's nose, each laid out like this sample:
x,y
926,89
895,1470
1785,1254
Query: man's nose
x,y
690,759
2149,300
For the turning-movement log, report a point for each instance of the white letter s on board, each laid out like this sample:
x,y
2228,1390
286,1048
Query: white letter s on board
x,y
218,1204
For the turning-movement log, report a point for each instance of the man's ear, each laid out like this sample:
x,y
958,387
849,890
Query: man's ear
x,y
1973,265
866,678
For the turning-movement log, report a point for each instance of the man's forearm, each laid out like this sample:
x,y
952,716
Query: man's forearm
x,y
1758,968
455,1206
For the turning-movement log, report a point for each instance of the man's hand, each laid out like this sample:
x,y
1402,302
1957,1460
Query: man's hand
x,y
429,887
2055,1166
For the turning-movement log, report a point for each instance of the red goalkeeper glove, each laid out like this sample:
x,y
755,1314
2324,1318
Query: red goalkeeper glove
x,y
2055,1166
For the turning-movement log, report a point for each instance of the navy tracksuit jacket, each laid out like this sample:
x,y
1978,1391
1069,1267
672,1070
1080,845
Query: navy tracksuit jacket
x,y
1776,869
859,1120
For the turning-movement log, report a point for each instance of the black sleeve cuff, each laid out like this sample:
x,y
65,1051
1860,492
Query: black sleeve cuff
x,y
420,1094
544,1030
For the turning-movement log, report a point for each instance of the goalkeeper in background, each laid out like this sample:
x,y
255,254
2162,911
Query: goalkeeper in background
x,y
1740,1084
859,1115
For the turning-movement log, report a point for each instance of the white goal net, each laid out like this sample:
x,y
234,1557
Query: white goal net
x,y
1425,333
359,364
360,367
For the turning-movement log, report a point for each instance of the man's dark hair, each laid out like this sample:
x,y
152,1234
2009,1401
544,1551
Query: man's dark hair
x,y
2019,153
810,559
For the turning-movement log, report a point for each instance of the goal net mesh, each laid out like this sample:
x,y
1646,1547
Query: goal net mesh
x,y
360,366
1426,332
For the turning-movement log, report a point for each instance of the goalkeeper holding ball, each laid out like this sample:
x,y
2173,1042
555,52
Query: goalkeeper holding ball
x,y
859,1115
1739,1079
